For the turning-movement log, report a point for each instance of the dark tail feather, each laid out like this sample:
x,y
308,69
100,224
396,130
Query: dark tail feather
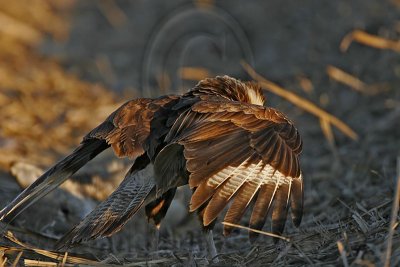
x,y
138,188
297,201
53,177
157,209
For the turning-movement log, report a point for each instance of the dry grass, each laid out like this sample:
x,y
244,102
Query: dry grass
x,y
58,257
38,98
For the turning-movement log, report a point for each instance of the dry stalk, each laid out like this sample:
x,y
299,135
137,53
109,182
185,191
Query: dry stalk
x,y
257,231
345,78
3,258
64,259
15,263
327,131
37,263
369,40
354,82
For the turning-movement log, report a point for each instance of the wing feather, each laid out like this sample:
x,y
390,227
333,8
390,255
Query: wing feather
x,y
110,216
296,201
241,201
281,205
209,160
225,192
208,187
235,150
261,208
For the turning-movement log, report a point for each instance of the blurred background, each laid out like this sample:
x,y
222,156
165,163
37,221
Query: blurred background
x,y
65,65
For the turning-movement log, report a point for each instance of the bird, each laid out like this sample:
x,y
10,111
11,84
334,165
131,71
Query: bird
x,y
218,137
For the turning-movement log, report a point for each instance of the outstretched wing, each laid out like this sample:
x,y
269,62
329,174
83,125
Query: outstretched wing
x,y
53,177
239,152
127,130
112,214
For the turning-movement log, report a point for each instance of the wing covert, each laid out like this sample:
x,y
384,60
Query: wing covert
x,y
136,126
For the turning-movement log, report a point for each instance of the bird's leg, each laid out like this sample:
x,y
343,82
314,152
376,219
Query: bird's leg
x,y
156,238
153,239
156,211
212,250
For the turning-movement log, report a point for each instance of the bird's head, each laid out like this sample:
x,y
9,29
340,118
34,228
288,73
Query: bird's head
x,y
232,89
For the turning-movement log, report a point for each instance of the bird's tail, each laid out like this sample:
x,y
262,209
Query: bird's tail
x,y
136,190
53,177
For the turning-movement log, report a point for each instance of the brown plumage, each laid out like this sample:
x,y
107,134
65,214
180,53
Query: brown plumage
x,y
218,138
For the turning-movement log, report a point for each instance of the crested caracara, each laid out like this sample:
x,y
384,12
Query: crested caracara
x,y
218,138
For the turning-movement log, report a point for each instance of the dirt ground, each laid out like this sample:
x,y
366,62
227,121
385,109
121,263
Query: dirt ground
x,y
65,65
